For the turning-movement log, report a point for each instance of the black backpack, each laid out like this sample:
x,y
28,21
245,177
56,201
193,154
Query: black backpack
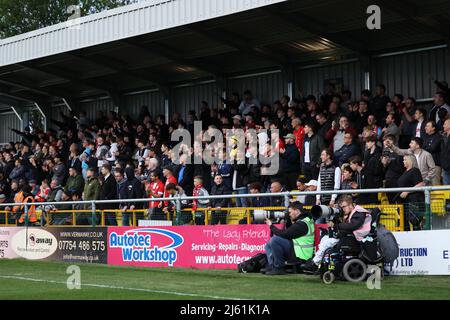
x,y
388,244
254,264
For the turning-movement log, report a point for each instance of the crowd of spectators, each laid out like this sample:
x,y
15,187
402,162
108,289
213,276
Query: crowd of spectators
x,y
331,142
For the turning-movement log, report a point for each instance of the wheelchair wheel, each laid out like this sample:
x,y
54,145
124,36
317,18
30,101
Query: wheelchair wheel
x,y
354,270
328,277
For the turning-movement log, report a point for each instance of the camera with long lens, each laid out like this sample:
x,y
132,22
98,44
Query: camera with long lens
x,y
327,213
261,215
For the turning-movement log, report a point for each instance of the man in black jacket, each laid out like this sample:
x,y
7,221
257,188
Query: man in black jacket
x,y
372,172
290,162
108,192
393,168
122,193
185,175
432,144
280,247
218,189
445,152
310,157
239,179
135,191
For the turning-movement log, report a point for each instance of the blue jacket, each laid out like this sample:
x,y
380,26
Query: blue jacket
x,y
343,154
226,171
122,191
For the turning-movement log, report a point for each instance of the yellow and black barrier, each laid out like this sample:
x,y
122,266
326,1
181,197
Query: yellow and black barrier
x,y
392,218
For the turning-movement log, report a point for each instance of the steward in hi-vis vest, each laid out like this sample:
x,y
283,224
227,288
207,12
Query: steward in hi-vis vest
x,y
31,210
294,242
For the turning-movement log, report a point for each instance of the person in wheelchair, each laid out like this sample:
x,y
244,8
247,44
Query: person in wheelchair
x,y
354,228
295,241
346,236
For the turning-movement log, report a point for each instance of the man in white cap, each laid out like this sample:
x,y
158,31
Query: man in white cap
x,y
237,120
310,200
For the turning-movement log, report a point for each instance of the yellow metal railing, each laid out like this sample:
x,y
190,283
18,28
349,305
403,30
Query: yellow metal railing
x,y
6,214
392,218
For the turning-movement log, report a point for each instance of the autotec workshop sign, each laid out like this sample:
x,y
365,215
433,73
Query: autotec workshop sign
x,y
58,243
186,246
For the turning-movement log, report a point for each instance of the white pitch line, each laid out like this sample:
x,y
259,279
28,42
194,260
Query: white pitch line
x,y
123,288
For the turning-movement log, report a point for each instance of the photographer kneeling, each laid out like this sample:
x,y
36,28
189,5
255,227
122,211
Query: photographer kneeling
x,y
295,241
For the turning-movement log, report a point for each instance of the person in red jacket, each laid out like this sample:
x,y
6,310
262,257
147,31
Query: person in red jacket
x,y
155,189
170,178
299,133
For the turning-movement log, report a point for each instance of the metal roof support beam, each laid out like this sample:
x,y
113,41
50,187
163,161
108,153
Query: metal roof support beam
x,y
169,53
119,67
239,43
22,97
44,111
17,108
410,11
314,27
222,86
288,72
10,101
69,75
167,96
29,86
366,67
118,100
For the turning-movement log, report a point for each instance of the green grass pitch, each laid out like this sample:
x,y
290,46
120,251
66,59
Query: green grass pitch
x,y
21,279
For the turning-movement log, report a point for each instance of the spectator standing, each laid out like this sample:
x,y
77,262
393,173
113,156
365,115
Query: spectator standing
x,y
372,172
424,159
290,162
393,168
378,103
336,134
445,152
413,201
391,128
432,144
348,150
299,133
199,191
155,189
218,189
59,170
407,122
108,191
440,110
102,152
420,116
310,156
135,191
329,179
122,194
92,187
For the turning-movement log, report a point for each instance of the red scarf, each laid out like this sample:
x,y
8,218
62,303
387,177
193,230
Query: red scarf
x,y
196,193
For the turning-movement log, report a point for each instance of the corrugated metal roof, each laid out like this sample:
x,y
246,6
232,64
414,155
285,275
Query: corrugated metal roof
x,y
292,33
111,25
